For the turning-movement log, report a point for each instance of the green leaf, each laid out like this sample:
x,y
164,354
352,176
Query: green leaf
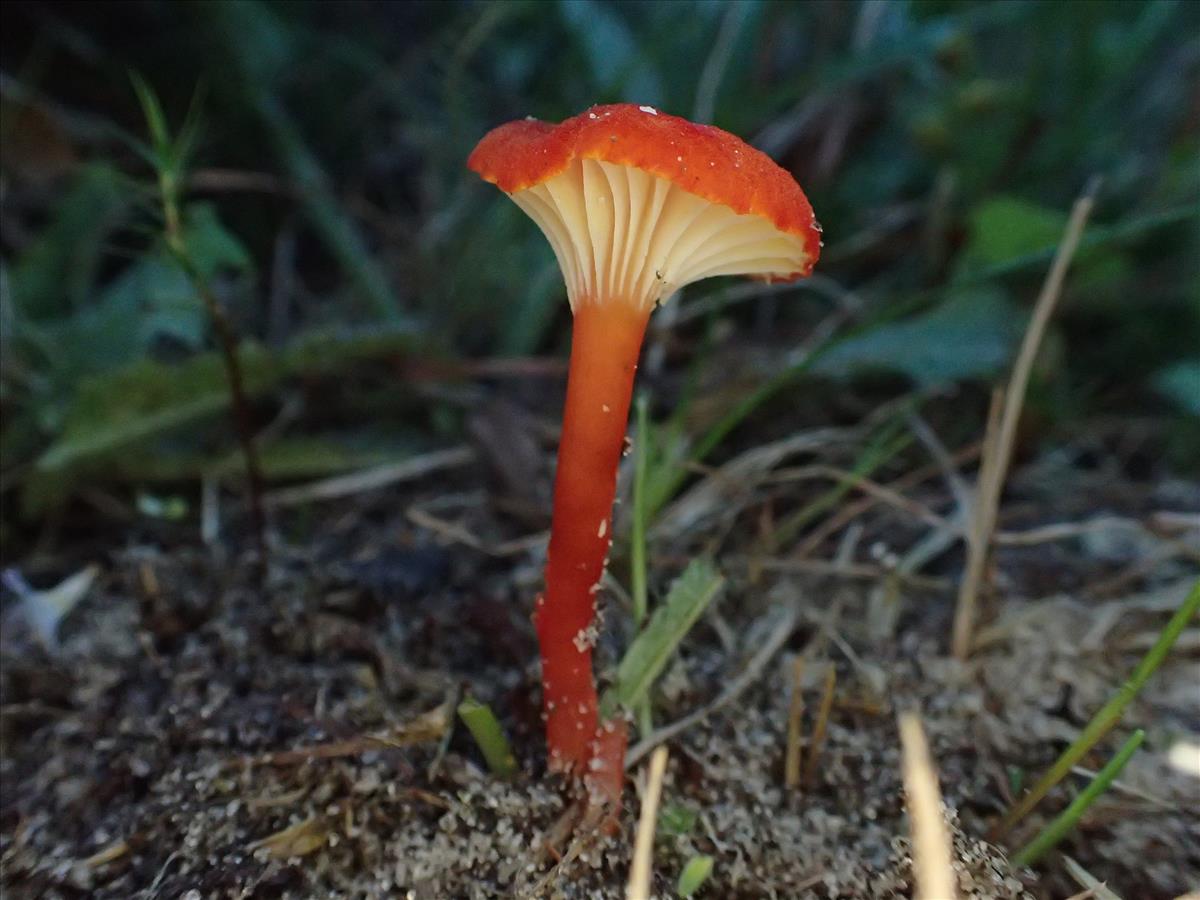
x,y
646,657
148,398
210,245
489,736
677,820
58,271
314,456
152,298
1180,383
1003,228
969,336
114,418
694,874
156,120
281,459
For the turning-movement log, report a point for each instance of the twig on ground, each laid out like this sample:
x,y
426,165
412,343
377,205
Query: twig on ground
x,y
643,848
946,463
791,765
1098,888
879,492
300,839
429,726
1057,531
372,479
152,890
820,726
780,632
459,534
863,571
721,487
998,453
851,511
932,848
107,854
1118,584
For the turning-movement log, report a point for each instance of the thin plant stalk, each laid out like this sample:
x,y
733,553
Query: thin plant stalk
x,y
243,420
1056,830
1109,715
795,749
822,722
637,551
933,850
998,454
643,849
169,157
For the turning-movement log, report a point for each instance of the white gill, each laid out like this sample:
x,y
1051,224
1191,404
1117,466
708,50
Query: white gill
x,y
622,234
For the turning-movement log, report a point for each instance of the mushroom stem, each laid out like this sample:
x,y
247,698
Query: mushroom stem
x,y
606,340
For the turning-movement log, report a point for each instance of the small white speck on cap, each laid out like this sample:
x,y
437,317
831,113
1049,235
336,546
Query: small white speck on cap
x,y
603,528
649,109
605,407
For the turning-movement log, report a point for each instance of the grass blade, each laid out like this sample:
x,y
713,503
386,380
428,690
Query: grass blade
x,y
793,756
637,550
485,728
693,876
646,657
998,455
1056,830
819,726
884,446
1109,715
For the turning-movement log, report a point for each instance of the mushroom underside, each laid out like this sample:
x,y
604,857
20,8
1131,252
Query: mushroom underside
x,y
622,234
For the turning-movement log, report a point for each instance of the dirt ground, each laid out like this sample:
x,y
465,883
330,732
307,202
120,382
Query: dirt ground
x,y
193,735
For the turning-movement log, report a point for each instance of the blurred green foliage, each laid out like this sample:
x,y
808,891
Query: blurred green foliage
x,y
327,202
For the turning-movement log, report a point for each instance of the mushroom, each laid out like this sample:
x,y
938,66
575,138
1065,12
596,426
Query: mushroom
x,y
636,204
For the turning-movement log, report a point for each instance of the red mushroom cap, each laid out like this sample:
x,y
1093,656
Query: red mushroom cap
x,y
701,159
